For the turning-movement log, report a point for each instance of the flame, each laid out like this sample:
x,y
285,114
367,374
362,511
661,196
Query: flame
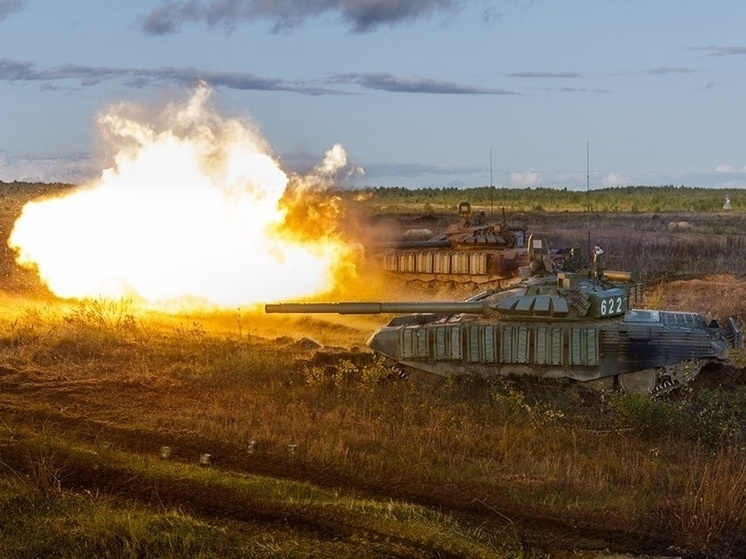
x,y
193,213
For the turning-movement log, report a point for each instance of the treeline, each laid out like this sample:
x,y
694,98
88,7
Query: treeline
x,y
28,190
10,185
654,199
643,199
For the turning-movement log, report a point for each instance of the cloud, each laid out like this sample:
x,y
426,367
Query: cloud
x,y
665,70
231,80
413,84
545,75
713,50
614,179
361,15
558,75
490,14
578,89
7,7
730,169
13,70
74,168
410,170
525,179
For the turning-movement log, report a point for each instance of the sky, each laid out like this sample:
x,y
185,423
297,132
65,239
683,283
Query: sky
x,y
420,93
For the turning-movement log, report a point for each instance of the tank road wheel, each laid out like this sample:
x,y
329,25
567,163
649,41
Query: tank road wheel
x,y
639,382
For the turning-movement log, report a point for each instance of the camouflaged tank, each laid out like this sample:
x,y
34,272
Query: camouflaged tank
x,y
552,324
473,252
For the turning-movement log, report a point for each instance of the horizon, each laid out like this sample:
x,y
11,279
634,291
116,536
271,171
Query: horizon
x,y
419,93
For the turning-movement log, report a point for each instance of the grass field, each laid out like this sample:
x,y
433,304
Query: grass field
x,y
126,433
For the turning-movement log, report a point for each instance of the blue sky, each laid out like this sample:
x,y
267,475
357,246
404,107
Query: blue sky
x,y
419,92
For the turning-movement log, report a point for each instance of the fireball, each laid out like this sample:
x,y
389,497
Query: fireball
x,y
190,214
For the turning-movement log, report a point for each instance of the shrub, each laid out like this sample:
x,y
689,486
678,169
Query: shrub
x,y
652,417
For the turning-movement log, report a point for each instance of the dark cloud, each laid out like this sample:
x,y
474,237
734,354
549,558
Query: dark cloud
x,y
7,7
413,84
713,50
231,80
12,70
360,15
545,75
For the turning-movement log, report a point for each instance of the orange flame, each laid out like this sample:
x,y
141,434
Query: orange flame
x,y
191,214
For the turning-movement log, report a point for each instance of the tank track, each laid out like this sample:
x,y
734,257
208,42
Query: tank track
x,y
673,377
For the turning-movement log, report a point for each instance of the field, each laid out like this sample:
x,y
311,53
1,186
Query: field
x,y
126,433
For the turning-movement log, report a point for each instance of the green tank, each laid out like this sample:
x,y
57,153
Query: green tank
x,y
576,325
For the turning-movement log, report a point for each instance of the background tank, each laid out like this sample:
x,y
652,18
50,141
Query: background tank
x,y
471,252
553,325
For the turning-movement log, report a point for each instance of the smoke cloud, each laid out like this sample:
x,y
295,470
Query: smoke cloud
x,y
190,215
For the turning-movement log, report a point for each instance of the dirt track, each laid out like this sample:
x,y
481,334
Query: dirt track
x,y
84,410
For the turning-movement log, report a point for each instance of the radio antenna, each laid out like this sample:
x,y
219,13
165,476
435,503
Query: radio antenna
x,y
588,192
492,190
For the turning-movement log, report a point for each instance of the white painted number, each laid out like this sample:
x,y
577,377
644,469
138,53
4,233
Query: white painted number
x,y
611,306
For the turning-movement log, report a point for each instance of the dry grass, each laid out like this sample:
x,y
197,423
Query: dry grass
x,y
503,454
714,499
91,391
712,295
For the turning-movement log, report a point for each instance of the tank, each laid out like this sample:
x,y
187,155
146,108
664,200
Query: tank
x,y
576,325
473,252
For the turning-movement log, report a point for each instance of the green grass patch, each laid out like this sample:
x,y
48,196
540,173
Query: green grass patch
x,y
52,507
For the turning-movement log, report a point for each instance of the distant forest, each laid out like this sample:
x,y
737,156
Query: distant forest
x,y
642,199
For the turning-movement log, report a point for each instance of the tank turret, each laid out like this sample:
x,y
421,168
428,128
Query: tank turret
x,y
551,324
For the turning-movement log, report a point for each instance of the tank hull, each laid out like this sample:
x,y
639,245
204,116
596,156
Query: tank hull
x,y
673,346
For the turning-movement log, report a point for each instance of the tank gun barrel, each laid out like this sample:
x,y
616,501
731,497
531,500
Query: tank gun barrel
x,y
436,307
618,275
